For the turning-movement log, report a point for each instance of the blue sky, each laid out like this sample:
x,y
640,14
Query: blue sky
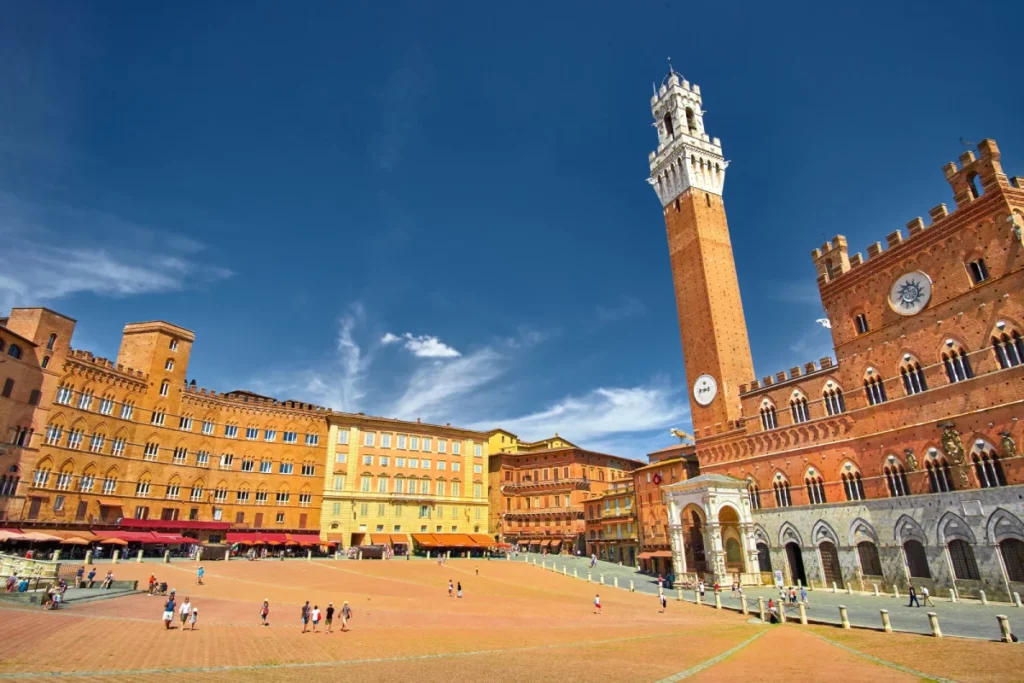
x,y
439,210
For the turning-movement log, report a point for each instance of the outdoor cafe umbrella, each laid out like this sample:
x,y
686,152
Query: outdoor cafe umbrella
x,y
291,543
9,536
113,541
74,541
37,536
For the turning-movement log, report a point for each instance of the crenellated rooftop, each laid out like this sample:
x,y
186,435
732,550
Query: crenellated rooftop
x,y
88,358
795,373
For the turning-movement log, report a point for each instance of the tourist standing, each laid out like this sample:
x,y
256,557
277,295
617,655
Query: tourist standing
x,y
168,613
803,595
451,588
192,621
199,575
185,612
734,589
346,614
305,616
700,589
597,604
913,597
330,617
265,612
78,576
664,602
316,616
460,589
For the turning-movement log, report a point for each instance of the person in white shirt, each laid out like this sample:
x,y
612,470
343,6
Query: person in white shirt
x,y
184,612
316,617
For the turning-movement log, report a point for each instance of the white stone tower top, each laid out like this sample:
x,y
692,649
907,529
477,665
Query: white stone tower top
x,y
686,156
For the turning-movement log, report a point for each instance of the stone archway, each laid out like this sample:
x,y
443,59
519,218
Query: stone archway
x,y
795,558
693,535
729,524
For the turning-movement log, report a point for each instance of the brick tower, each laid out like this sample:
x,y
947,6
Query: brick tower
x,y
688,173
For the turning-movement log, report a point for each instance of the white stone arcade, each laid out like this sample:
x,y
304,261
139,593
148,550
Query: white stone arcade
x,y
712,530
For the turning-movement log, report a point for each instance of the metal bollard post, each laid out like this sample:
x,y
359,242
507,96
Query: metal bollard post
x,y
743,605
799,583
631,589
1016,599
843,617
810,585
834,588
1004,626
227,556
952,594
876,589
535,562
933,621
337,555
984,598
760,607
886,626
718,600
309,556
565,570
803,613
88,557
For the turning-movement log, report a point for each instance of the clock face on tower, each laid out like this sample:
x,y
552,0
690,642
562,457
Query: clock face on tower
x,y
910,293
705,389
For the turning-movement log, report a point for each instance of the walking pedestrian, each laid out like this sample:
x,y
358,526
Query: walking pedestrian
x,y
663,601
597,604
346,614
913,597
460,589
265,612
927,597
803,595
185,612
199,575
451,588
733,589
700,589
330,617
316,616
792,595
305,616
192,621
168,613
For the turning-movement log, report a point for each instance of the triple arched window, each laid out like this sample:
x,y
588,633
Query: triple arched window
x,y
940,479
956,362
988,467
754,493
798,408
834,401
896,479
874,388
782,498
815,489
1008,346
768,418
913,376
853,486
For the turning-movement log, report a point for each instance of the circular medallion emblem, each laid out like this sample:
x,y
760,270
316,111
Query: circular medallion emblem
x,y
705,389
910,293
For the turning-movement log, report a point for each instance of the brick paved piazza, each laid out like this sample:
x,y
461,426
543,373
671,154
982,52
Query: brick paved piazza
x,y
516,622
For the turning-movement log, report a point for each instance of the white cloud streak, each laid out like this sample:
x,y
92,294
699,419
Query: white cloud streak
x,y
421,346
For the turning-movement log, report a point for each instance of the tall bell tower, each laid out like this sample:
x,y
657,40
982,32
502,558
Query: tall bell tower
x,y
688,174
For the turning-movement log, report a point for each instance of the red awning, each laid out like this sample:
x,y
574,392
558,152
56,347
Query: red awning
x,y
645,556
662,553
173,524
172,539
241,537
310,539
128,536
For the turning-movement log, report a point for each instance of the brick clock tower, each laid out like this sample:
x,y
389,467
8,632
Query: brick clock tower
x,y
688,173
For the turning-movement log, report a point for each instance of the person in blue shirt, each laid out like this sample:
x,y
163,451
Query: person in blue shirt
x,y
199,576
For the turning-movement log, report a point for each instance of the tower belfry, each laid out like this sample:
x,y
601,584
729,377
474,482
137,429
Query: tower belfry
x,y
688,174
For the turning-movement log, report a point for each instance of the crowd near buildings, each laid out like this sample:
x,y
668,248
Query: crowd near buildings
x,y
896,462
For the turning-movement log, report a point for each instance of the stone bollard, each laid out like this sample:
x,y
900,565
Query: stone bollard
x,y
1004,626
115,557
718,600
138,558
849,589
428,554
679,594
1016,599
602,579
55,557
309,556
337,555
886,626
799,583
876,589
88,557
631,589
448,555
590,578
834,588
696,595
984,598
167,557
933,621
843,617
535,562
565,570
760,607
810,585
616,582
743,605
896,592
575,574
227,556
782,612
803,613
952,594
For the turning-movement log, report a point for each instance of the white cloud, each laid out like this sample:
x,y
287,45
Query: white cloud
x,y
422,346
601,416
434,389
57,256
624,307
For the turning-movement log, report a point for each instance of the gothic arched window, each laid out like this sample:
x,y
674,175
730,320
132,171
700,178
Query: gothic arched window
x,y
834,401
768,418
956,362
896,479
940,479
669,129
798,408
874,388
1009,348
913,376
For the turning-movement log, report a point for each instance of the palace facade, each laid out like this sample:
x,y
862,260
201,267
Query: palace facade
x,y
896,463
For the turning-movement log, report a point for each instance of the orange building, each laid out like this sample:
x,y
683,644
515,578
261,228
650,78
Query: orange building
x,y
541,494
897,463
131,442
610,522
666,466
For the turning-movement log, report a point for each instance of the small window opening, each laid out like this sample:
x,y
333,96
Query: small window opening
x,y
861,323
691,125
972,186
979,271
669,130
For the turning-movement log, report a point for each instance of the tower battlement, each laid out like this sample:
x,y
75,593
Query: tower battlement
x,y
971,178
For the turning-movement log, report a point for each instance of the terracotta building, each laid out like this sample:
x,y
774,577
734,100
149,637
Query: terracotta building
x,y
899,461
611,525
539,495
665,467
393,482
131,442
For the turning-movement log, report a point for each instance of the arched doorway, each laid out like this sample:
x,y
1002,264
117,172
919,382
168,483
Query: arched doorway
x,y
729,521
764,558
830,564
693,538
796,563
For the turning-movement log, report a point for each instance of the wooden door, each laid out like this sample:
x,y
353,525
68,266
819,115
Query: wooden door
x,y
830,564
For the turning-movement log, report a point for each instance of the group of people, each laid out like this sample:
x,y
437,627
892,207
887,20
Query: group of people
x,y
83,580
451,588
926,597
187,612
314,615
